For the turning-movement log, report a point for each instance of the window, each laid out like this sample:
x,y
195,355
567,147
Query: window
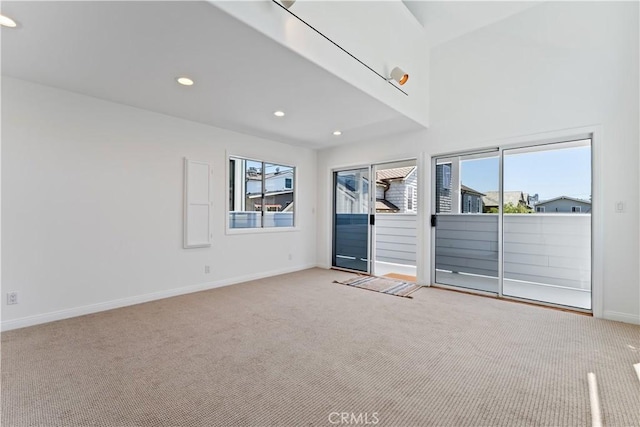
x,y
539,208
443,187
446,176
576,209
411,194
261,194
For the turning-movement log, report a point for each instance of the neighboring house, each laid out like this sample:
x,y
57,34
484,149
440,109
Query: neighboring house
x,y
280,180
516,198
278,186
564,204
443,188
279,190
471,200
396,190
489,204
350,198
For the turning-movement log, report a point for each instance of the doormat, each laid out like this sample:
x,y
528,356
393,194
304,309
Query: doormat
x,y
399,276
383,285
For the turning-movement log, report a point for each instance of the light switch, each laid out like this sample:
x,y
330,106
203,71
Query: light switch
x,y
619,207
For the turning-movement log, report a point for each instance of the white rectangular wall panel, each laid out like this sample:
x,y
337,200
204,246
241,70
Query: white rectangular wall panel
x,y
197,208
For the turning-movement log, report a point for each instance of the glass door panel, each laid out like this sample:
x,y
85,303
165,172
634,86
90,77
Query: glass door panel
x,y
395,234
351,220
547,223
466,221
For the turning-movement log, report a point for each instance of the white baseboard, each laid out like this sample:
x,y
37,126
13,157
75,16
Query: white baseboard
x,y
621,317
37,319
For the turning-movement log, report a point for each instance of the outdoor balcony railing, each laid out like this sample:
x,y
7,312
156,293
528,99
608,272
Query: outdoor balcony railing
x,y
547,257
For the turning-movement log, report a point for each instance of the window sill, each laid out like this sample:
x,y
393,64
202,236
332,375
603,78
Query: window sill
x,y
237,231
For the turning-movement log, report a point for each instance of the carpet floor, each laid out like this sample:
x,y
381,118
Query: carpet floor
x,y
295,350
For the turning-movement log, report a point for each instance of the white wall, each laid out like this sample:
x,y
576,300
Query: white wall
x,y
93,201
382,34
558,65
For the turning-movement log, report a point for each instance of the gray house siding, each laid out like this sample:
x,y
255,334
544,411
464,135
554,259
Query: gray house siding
x,y
395,195
563,206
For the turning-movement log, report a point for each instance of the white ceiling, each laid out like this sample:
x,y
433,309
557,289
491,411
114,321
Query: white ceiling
x,y
447,20
131,52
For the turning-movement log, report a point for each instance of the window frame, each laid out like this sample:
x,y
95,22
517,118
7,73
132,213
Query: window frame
x,y
573,209
541,209
294,181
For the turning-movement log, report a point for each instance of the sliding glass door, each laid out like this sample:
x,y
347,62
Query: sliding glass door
x,y
375,219
466,221
351,220
547,228
395,232
516,222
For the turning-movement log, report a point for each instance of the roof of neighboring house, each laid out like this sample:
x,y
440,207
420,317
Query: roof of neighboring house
x,y
513,197
395,173
288,208
269,193
385,205
257,176
489,202
573,199
279,173
465,189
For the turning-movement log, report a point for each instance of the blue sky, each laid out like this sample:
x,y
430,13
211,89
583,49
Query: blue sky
x,y
552,173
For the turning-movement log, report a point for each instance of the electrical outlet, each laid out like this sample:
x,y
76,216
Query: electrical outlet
x,y
290,257
207,269
12,298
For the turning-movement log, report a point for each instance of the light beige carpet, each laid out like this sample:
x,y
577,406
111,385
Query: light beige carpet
x,y
292,350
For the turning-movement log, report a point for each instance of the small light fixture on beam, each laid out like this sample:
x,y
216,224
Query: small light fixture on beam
x,y
396,74
337,133
278,113
399,75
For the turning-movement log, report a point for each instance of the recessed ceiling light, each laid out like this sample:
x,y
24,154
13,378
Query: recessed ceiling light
x,y
5,21
278,113
185,81
337,133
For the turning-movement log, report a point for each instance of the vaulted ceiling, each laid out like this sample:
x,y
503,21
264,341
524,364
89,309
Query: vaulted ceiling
x,y
131,53
447,20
